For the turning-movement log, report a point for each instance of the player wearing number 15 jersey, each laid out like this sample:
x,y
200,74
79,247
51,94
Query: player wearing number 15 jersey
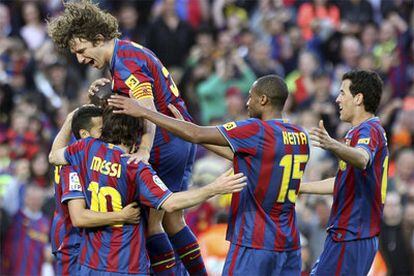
x,y
360,185
273,154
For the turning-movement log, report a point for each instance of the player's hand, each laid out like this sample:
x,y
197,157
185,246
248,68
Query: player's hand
x,y
141,155
126,106
320,137
94,87
228,183
131,213
175,112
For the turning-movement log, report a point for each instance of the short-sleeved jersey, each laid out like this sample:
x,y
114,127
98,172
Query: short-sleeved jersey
x,y
273,155
25,242
136,69
359,194
109,184
67,186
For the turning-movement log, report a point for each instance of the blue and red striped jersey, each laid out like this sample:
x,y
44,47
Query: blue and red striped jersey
x,y
359,194
25,242
109,184
63,234
273,155
136,70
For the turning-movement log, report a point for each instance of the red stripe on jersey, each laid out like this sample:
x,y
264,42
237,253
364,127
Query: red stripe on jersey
x,y
134,245
235,200
158,92
244,132
156,156
233,260
82,256
115,247
131,173
265,176
292,225
58,227
65,263
375,207
275,216
96,246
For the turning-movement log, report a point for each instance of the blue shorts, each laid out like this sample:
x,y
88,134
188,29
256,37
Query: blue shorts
x,y
66,261
250,261
87,271
173,162
346,258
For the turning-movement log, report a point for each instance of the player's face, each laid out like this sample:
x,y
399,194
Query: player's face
x,y
87,53
253,104
96,129
345,100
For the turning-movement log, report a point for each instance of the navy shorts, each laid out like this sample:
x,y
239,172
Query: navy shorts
x,y
173,161
250,261
346,257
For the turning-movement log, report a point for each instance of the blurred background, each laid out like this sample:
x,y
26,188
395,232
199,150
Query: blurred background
x,y
214,49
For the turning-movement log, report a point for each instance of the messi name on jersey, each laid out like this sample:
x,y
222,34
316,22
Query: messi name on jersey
x,y
105,167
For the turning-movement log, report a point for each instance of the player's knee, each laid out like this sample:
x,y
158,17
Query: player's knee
x,y
174,222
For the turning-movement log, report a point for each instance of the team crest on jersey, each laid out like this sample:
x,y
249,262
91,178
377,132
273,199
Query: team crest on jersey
x,y
229,126
74,182
132,82
159,182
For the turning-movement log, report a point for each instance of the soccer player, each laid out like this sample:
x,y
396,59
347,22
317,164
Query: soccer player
x,y
70,212
272,153
109,183
92,35
360,185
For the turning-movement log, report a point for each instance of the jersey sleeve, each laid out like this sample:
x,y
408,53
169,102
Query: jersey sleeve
x,y
136,78
152,190
70,184
243,136
367,138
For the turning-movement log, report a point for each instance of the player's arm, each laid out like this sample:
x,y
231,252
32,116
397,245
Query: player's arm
x,y
323,187
85,218
355,156
224,152
224,184
185,130
57,152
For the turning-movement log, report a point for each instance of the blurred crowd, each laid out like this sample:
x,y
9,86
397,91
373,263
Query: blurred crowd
x,y
215,49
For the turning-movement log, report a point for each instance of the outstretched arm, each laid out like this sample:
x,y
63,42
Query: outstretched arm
x,y
357,157
323,187
225,184
85,218
185,130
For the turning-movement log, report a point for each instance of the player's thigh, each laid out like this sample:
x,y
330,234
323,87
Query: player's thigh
x,y
155,218
174,222
170,161
332,255
249,261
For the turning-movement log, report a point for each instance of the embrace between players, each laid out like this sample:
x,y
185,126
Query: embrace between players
x,y
122,164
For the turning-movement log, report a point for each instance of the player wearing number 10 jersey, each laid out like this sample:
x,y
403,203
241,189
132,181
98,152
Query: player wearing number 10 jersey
x,y
273,154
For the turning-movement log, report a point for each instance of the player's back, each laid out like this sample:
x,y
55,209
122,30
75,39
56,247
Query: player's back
x,y
135,68
109,184
359,194
273,155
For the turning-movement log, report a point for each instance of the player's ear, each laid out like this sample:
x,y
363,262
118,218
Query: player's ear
x,y
359,99
99,40
264,99
84,133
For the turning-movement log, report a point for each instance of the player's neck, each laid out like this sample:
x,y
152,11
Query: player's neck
x,y
270,115
109,50
360,118
124,148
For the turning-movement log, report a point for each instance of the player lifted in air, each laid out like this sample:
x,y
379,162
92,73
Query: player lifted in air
x,y
272,153
92,35
360,185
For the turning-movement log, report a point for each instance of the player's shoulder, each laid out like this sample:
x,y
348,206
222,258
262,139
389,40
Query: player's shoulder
x,y
372,126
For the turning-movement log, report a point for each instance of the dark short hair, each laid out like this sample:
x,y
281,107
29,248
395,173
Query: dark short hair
x,y
82,119
120,128
275,88
369,84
